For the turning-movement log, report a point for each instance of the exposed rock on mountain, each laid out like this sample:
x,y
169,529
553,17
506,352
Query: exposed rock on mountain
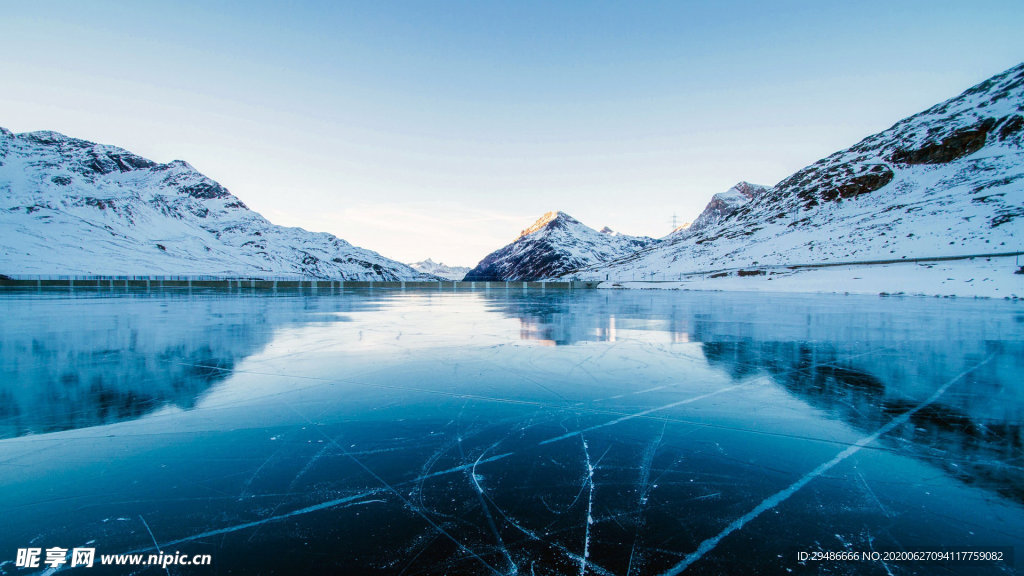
x,y
554,245
725,203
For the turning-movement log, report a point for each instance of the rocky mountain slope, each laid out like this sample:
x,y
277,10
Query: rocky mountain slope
x,y
68,206
948,181
555,244
724,204
440,269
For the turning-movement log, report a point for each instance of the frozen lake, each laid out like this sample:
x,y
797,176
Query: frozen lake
x,y
586,432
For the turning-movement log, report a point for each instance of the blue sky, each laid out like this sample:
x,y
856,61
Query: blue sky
x,y
440,129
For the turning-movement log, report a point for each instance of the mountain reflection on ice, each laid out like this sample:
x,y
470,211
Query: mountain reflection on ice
x,y
586,432
74,362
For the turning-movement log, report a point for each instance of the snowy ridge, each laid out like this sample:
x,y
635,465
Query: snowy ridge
x,y
946,182
440,269
69,206
555,244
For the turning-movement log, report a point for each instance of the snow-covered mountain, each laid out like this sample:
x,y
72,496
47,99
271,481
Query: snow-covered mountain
x,y
68,206
554,245
948,181
725,203
440,269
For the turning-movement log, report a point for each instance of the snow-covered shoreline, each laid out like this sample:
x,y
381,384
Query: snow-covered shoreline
x,y
992,277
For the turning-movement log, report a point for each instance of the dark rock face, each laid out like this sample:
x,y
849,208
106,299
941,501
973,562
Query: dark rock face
x,y
128,162
878,176
724,206
1005,215
834,183
485,271
957,145
45,138
555,245
1011,126
99,203
99,164
543,261
206,190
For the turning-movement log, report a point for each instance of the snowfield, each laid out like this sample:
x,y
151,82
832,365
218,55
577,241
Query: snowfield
x,y
977,277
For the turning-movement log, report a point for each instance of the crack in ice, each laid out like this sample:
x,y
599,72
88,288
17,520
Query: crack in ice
x,y
645,413
301,511
148,529
782,495
487,512
590,508
644,491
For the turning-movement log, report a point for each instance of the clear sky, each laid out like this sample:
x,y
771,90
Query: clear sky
x,y
441,129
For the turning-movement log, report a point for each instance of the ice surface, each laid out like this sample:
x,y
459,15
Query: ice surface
x,y
586,432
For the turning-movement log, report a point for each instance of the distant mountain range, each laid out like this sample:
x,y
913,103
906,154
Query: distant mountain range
x,y
68,206
554,245
558,244
946,182
440,269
